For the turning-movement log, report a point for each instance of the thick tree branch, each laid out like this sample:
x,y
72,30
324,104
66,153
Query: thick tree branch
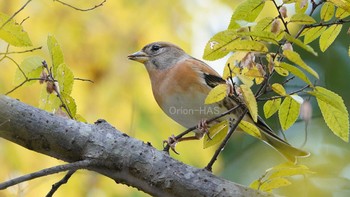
x,y
114,154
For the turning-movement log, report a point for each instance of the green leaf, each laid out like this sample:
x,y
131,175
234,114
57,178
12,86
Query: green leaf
x,y
217,134
301,6
13,32
303,19
264,24
55,52
226,41
271,107
281,71
216,94
300,44
70,103
279,89
296,71
329,35
216,47
250,101
288,112
246,11
344,4
32,68
65,79
295,58
327,11
341,13
249,128
260,35
333,111
313,33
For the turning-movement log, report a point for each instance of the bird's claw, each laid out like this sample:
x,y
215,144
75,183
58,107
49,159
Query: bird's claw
x,y
171,142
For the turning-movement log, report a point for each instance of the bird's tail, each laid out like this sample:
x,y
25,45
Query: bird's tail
x,y
288,151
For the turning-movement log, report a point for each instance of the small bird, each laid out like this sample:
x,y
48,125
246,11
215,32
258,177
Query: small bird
x,y
180,85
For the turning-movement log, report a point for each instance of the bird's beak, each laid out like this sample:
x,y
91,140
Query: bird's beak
x,y
139,56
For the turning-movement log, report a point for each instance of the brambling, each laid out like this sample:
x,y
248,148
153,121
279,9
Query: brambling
x,y
180,85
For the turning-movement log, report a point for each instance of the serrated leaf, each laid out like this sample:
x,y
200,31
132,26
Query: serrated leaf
x,y
295,58
216,94
249,128
13,33
303,19
275,183
260,35
246,11
327,11
65,79
279,89
248,81
250,101
264,24
344,4
310,34
70,103
32,68
217,133
329,35
296,71
55,53
248,45
333,111
300,44
341,13
271,107
288,112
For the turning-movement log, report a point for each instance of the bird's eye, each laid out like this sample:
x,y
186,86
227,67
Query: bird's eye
x,y
155,48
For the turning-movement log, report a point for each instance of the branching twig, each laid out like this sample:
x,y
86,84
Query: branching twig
x,y
8,20
56,169
80,9
276,97
57,185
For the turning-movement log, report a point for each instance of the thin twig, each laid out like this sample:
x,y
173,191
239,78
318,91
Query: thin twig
x,y
80,9
52,170
8,20
276,97
25,51
57,185
223,143
81,79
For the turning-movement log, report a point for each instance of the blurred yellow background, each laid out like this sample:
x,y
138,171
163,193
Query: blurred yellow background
x,y
95,45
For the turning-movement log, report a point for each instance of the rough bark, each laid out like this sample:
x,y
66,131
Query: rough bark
x,y
114,154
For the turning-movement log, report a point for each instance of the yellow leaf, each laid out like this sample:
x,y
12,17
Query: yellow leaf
x,y
341,13
264,24
301,6
295,71
313,33
247,45
333,111
271,107
344,4
300,44
288,112
295,57
250,101
217,133
255,184
288,169
301,18
327,11
216,47
249,128
279,89
275,183
329,35
246,80
218,93
281,71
